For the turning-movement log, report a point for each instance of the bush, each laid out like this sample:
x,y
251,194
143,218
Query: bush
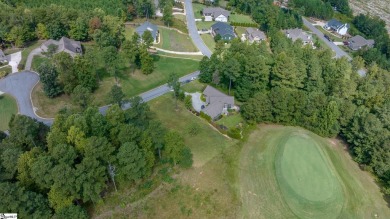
x,y
181,96
21,66
205,116
3,74
234,133
188,102
243,24
186,158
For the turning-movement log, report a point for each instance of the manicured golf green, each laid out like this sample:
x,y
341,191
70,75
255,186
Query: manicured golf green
x,y
288,172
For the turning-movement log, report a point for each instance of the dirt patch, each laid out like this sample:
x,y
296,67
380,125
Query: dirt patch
x,y
380,8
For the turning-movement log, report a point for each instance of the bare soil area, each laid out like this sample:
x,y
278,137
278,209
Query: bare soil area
x,y
380,8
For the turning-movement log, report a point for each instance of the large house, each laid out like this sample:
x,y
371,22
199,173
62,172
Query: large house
x,y
357,42
216,14
147,26
254,35
337,26
217,102
3,58
64,45
295,34
224,30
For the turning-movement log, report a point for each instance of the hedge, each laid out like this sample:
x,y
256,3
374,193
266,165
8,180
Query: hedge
x,y
244,24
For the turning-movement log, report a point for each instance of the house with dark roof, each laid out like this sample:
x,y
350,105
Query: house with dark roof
x,y
65,44
3,58
295,34
337,26
217,102
224,30
147,26
216,14
254,35
357,42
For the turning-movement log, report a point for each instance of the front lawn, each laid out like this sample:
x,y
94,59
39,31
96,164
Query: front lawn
x,y
231,121
240,31
37,61
8,107
132,82
241,18
204,24
209,41
28,49
175,41
198,10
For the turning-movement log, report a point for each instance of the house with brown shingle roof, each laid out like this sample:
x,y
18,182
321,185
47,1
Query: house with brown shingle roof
x,y
217,102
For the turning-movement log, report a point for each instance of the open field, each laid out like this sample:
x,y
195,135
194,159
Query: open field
x,y
8,107
379,8
288,172
132,83
175,41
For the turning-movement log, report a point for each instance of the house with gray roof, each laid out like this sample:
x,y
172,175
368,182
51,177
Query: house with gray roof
x,y
3,58
216,14
357,42
217,102
224,30
65,44
337,26
254,35
147,26
295,34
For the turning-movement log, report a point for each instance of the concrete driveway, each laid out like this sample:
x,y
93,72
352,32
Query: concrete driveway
x,y
193,30
197,103
14,60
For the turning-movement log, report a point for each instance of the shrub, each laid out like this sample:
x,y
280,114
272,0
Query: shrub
x,y
234,133
21,66
3,74
205,116
181,96
188,101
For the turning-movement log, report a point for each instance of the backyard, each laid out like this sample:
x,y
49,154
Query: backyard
x,y
8,107
240,18
175,41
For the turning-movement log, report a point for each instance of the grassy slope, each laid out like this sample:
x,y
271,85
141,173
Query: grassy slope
x,y
209,41
259,189
8,107
197,9
175,41
132,84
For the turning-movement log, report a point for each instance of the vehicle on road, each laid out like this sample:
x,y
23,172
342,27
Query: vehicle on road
x,y
327,37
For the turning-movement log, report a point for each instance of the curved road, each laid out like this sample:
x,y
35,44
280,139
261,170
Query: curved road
x,y
193,30
20,86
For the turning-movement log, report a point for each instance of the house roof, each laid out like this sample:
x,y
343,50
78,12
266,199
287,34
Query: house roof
x,y
147,26
297,33
358,41
335,24
65,44
215,12
2,56
253,33
216,100
223,29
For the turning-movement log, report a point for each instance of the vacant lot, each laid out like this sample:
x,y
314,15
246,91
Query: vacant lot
x,y
175,41
132,83
8,107
287,172
240,18
379,8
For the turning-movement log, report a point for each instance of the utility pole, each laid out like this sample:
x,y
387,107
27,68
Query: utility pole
x,y
111,171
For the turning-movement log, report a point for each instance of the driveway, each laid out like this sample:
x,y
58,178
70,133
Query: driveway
x,y
14,60
193,30
197,103
30,57
339,52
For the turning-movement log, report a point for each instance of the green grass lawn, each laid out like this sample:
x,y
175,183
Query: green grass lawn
x,y
197,10
204,24
194,86
206,144
28,49
288,172
193,57
8,107
175,41
132,83
180,17
209,41
37,61
240,31
177,23
332,37
231,121
241,18
7,69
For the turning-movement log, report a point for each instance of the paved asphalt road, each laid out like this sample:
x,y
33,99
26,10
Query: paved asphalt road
x,y
20,86
193,30
339,52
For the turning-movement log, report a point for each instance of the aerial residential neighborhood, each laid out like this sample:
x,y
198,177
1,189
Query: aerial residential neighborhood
x,y
194,109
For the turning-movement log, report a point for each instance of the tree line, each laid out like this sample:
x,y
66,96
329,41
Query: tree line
x,y
292,84
56,172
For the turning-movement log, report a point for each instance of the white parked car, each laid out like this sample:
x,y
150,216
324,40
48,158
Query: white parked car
x,y
193,78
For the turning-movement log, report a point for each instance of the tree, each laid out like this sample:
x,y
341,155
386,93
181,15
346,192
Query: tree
x,y
65,67
131,162
147,65
167,14
72,211
284,72
130,49
79,29
147,39
49,78
41,31
116,95
173,83
174,146
81,96
110,55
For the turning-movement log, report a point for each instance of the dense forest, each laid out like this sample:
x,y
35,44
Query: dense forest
x,y
58,171
296,85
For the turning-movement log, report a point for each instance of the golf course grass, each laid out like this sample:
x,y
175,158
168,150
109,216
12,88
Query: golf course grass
x,y
288,172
